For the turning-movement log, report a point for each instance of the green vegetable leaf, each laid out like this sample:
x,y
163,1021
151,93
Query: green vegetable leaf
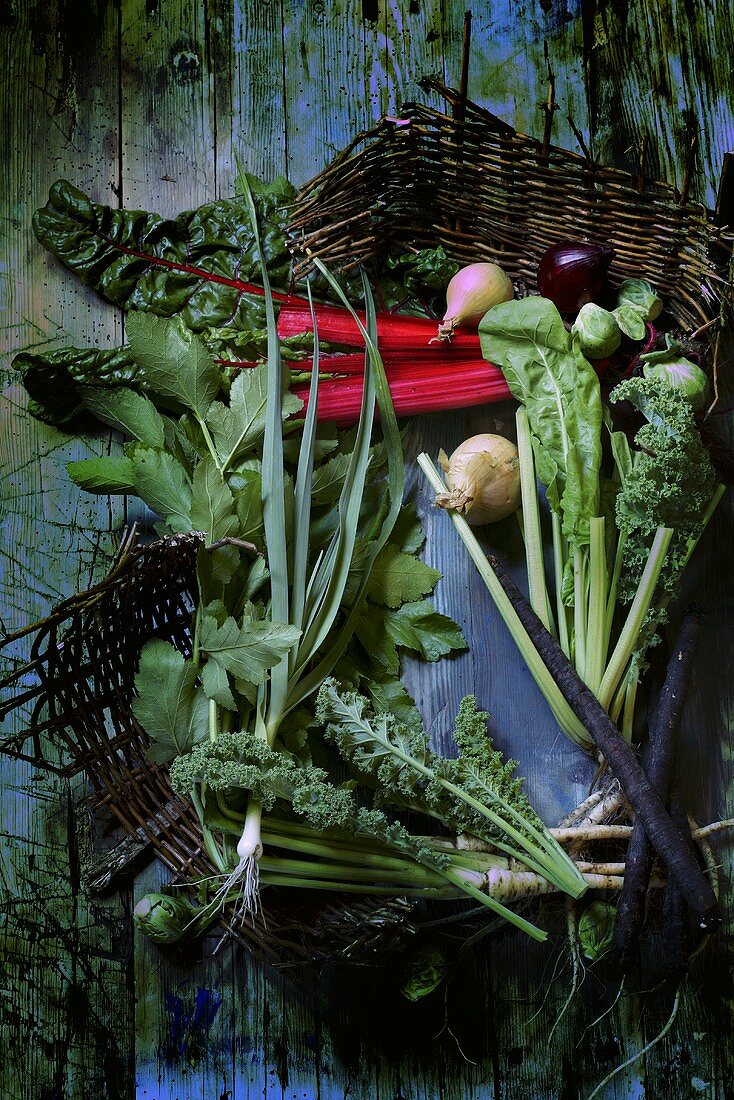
x,y
141,261
169,706
246,651
236,428
173,361
212,503
163,484
109,474
125,409
53,380
631,321
249,506
416,626
398,578
328,479
596,929
408,533
560,390
215,681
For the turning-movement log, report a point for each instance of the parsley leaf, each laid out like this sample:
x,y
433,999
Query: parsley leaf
x,y
169,706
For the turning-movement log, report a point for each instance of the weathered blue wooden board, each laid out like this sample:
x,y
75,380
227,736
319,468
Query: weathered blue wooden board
x,y
147,102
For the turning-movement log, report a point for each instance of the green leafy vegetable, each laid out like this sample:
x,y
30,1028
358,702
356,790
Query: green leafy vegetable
x,y
560,391
169,705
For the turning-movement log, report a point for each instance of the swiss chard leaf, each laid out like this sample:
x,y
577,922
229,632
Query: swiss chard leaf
x,y
197,265
53,379
560,390
169,706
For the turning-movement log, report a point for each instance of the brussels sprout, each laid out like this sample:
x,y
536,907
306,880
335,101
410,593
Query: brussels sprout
x,y
164,918
671,367
424,972
596,929
638,294
631,321
598,332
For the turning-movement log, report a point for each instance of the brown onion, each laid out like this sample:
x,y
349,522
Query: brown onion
x,y
573,273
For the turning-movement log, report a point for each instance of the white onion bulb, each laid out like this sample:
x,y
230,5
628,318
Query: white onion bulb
x,y
483,475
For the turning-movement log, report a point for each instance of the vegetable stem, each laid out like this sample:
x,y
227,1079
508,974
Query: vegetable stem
x,y
635,617
645,801
560,707
531,519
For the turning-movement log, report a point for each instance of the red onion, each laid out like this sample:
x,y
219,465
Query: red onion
x,y
573,273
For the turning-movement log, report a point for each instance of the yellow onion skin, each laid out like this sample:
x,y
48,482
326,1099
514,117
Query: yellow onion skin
x,y
472,291
483,475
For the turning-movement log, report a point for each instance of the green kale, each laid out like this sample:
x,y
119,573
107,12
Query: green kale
x,y
476,793
670,484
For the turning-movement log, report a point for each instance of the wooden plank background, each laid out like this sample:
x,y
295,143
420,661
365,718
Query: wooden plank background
x,y
145,103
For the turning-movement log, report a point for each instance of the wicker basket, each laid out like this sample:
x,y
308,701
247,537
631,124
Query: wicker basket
x,y
481,190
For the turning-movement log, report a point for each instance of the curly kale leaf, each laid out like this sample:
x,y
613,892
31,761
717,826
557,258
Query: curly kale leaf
x,y
476,793
243,761
671,483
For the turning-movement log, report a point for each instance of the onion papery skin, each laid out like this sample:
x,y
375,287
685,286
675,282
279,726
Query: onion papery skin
x,y
483,476
471,293
573,273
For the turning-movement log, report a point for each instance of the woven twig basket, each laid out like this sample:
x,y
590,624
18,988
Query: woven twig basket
x,y
481,190
486,192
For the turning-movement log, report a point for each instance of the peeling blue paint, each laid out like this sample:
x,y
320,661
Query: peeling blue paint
x,y
188,1028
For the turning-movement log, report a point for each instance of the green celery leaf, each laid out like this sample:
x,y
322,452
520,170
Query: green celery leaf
x,y
109,474
238,427
163,484
126,410
174,362
417,626
398,578
215,681
212,503
246,651
408,533
249,506
328,479
388,693
256,578
169,706
214,570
